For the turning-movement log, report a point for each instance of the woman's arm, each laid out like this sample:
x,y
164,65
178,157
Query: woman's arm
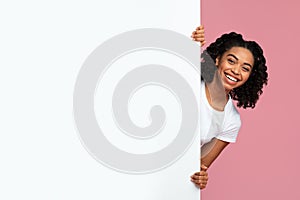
x,y
212,152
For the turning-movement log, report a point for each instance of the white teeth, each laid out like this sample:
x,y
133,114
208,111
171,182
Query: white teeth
x,y
231,78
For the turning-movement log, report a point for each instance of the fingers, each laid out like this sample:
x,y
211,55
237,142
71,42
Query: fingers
x,y
200,179
198,35
201,184
202,175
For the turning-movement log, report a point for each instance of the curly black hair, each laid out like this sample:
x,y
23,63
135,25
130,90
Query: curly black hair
x,y
248,93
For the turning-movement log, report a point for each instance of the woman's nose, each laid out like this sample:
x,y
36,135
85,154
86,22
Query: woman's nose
x,y
236,70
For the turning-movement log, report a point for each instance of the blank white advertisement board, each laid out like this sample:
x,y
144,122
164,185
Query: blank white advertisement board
x,y
99,100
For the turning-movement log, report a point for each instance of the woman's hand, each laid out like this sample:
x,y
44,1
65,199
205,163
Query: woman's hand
x,y
198,35
200,178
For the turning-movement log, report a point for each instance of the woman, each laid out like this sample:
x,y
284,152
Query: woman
x,y
239,66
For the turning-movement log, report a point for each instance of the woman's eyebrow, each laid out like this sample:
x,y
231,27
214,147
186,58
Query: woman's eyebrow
x,y
238,59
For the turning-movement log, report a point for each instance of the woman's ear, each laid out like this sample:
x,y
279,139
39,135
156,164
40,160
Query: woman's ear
x,y
217,60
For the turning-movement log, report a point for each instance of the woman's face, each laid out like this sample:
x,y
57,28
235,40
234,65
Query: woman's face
x,y
235,67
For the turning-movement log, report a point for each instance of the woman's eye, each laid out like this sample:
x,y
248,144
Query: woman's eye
x,y
230,61
246,69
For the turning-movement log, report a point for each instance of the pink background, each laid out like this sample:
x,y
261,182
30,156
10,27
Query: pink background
x,y
264,163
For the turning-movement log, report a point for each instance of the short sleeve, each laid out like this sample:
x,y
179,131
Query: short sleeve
x,y
229,135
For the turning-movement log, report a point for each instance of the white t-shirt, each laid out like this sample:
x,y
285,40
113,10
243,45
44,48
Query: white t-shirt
x,y
223,125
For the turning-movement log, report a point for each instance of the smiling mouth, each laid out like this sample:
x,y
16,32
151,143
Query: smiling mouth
x,y
231,78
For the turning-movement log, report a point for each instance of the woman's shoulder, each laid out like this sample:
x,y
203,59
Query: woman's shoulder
x,y
230,107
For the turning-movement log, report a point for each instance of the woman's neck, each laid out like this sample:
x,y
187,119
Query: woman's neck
x,y
215,98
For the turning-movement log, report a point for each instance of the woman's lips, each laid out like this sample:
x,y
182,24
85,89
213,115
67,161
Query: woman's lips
x,y
230,79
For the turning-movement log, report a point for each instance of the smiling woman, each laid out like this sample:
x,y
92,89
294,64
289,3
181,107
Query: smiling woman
x,y
247,93
235,67
232,69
